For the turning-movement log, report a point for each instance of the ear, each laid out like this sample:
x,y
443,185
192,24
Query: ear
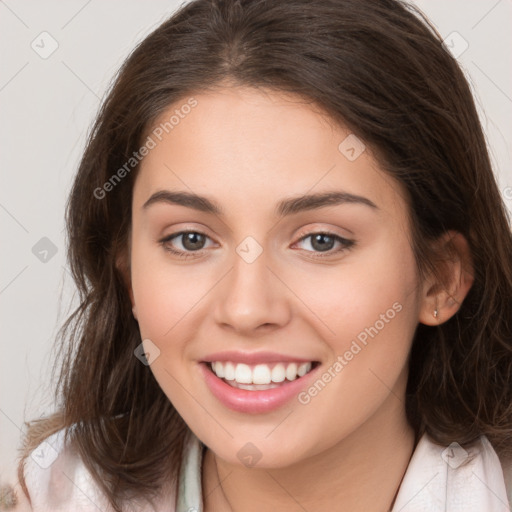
x,y
123,267
443,293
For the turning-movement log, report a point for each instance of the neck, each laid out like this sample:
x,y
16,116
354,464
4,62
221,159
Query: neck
x,y
361,473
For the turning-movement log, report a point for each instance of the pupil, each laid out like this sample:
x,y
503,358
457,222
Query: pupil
x,y
193,241
320,244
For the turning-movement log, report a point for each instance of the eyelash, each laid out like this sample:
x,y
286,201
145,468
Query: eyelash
x,y
346,244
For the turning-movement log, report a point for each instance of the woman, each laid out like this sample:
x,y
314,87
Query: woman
x,y
295,272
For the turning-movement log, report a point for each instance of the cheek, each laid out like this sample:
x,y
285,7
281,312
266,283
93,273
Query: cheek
x,y
167,297
373,290
164,293
370,309
367,367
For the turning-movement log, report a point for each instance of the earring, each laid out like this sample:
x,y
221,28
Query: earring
x,y
435,313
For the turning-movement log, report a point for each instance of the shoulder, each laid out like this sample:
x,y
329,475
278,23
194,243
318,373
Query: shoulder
x,y
454,478
490,469
57,479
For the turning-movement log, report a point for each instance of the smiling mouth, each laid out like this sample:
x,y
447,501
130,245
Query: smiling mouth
x,y
260,377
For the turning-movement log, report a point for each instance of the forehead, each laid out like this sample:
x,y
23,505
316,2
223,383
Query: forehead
x,y
242,144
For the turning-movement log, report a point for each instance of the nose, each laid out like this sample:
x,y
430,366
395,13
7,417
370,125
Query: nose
x,y
252,299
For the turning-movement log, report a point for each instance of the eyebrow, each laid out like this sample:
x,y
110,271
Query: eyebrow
x,y
285,207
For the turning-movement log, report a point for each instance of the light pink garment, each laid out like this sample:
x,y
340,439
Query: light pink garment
x,y
58,481
438,479
453,479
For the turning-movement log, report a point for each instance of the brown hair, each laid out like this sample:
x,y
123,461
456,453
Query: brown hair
x,y
379,68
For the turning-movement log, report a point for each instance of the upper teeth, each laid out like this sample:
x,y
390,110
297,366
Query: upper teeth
x,y
260,373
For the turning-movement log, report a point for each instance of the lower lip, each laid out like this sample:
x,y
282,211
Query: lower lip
x,y
254,402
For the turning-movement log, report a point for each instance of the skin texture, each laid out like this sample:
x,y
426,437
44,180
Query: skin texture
x,y
248,149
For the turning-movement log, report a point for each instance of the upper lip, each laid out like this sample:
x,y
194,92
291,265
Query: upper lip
x,y
254,357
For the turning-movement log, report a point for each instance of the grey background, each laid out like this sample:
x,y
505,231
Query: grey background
x,y
46,108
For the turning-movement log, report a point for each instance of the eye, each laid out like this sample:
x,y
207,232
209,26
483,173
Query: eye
x,y
194,242
190,242
324,242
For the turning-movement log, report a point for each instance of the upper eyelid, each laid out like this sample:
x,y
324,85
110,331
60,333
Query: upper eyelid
x,y
330,232
347,242
346,245
178,234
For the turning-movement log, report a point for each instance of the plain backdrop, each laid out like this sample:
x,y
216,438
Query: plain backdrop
x,y
47,104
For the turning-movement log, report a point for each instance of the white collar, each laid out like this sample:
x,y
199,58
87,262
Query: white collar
x,y
438,479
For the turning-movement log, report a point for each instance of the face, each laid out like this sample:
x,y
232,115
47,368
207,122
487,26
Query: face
x,y
264,286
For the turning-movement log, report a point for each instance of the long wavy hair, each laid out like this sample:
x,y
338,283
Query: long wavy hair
x,y
377,67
